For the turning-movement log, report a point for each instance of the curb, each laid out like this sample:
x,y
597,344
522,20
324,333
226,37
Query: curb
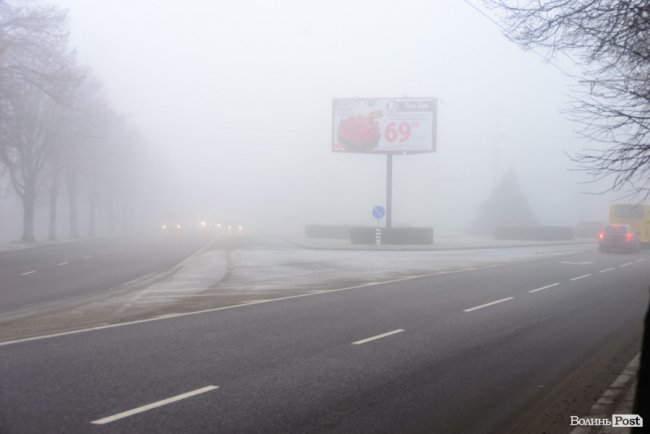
x,y
615,400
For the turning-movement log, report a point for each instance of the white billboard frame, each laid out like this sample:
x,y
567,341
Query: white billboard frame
x,y
384,125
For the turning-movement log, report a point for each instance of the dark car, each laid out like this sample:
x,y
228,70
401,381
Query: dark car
x,y
619,237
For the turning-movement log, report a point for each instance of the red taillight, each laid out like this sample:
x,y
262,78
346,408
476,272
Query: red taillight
x,y
629,236
601,236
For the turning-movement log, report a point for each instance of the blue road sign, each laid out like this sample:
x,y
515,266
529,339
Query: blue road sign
x,y
378,212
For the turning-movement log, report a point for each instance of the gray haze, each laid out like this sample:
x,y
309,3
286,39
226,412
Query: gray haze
x,y
233,100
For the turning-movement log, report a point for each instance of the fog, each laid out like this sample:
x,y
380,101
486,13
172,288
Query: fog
x,y
234,103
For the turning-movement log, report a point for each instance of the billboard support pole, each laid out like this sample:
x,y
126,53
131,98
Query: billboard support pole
x,y
389,190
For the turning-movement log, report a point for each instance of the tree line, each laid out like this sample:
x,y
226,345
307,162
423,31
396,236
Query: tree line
x,y
58,136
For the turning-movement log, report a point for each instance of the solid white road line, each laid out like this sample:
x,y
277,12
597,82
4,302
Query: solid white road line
x,y
27,273
217,309
627,264
580,277
153,405
487,304
606,270
374,338
544,287
63,263
177,295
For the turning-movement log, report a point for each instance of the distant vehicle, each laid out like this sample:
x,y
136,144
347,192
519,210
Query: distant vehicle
x,y
635,215
619,237
171,227
235,229
212,226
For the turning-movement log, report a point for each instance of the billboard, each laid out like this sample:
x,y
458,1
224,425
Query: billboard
x,y
384,125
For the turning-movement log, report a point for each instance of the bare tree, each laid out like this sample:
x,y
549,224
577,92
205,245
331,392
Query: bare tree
x,y
65,150
29,36
85,143
610,41
26,149
36,75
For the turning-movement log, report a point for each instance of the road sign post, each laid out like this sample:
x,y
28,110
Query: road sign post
x,y
378,212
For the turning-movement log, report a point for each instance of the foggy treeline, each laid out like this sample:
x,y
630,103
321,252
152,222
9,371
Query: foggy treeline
x,y
59,139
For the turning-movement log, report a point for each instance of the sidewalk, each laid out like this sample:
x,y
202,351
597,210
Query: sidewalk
x,y
617,399
14,246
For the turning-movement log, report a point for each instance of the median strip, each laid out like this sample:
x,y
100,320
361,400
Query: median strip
x,y
374,338
543,287
153,405
580,277
471,309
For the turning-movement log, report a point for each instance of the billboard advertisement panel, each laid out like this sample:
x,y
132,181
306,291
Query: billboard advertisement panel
x,y
384,125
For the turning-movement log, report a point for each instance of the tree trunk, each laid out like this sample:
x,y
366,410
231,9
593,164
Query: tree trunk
x,y
54,203
71,183
92,212
111,214
29,203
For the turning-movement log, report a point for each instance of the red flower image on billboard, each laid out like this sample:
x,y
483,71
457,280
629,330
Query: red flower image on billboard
x,y
358,133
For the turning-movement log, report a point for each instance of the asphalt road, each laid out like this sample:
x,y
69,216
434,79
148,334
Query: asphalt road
x,y
60,273
457,352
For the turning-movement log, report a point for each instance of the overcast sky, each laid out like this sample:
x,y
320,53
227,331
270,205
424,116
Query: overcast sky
x,y
236,98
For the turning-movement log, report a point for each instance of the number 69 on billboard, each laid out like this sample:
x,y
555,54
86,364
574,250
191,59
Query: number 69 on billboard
x,y
384,125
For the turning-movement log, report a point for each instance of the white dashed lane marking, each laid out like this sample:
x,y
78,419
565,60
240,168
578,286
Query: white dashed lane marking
x,y
580,277
374,338
27,273
606,270
627,264
544,287
63,263
153,405
471,309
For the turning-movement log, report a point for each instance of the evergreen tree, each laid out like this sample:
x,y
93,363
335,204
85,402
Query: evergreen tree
x,y
507,206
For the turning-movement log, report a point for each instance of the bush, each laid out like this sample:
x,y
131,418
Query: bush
x,y
367,235
336,232
536,233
